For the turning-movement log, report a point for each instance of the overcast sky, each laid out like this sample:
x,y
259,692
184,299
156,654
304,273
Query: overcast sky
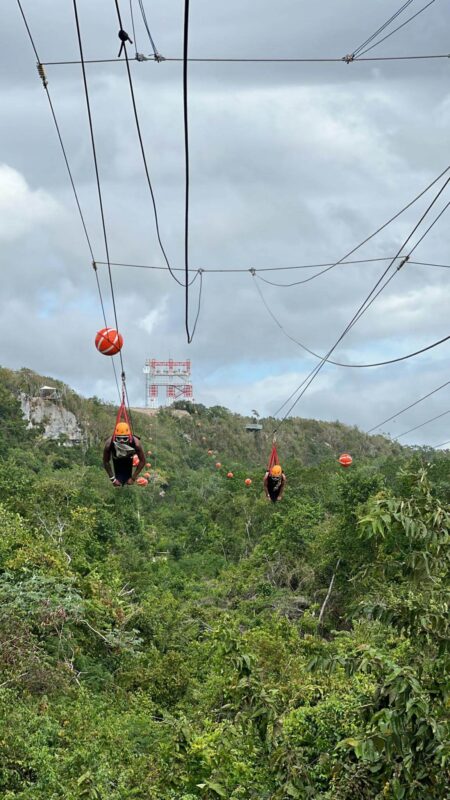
x,y
290,164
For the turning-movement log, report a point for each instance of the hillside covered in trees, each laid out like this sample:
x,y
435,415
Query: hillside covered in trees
x,y
191,641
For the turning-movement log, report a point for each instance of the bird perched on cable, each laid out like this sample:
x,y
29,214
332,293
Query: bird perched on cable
x,y
123,36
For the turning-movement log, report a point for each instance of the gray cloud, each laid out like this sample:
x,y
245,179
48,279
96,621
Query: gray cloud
x,y
289,164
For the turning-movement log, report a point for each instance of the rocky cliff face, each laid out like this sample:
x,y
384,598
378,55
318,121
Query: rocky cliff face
x,y
57,421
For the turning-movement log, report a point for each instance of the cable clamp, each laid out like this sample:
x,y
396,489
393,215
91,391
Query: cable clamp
x,y
200,271
123,36
159,57
42,75
141,57
122,377
348,58
252,271
403,262
94,266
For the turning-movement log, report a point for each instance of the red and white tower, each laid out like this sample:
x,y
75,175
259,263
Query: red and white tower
x,y
166,381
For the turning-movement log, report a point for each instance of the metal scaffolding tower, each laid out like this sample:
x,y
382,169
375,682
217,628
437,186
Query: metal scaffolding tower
x,y
167,381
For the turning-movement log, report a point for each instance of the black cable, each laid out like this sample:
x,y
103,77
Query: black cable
x,y
361,310
99,190
398,28
381,28
339,363
144,157
253,60
416,427
402,411
440,445
186,160
72,182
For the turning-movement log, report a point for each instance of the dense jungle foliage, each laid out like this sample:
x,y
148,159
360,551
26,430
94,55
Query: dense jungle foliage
x,y
191,641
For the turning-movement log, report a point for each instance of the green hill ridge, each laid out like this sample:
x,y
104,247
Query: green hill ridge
x,y
190,640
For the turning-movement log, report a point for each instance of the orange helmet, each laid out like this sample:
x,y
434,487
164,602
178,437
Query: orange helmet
x,y
276,471
122,429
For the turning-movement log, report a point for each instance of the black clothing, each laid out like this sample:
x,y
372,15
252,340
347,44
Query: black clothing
x,y
123,464
274,487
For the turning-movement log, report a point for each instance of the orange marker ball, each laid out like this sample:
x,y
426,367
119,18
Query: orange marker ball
x,y
248,481
108,341
218,464
345,460
141,481
230,475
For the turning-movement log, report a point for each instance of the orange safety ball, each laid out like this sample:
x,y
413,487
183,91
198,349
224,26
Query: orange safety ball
x,y
210,452
108,341
146,475
148,464
141,481
149,452
248,481
135,460
345,459
218,464
230,475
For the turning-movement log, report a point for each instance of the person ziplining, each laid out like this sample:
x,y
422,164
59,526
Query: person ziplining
x,y
123,449
274,479
120,449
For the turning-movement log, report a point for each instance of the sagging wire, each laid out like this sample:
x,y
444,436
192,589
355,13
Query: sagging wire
x,y
340,363
373,294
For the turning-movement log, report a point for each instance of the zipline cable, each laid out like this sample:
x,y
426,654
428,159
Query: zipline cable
x,y
144,157
381,28
422,424
69,172
411,405
340,363
398,28
133,27
58,131
406,258
147,28
97,176
372,235
361,310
